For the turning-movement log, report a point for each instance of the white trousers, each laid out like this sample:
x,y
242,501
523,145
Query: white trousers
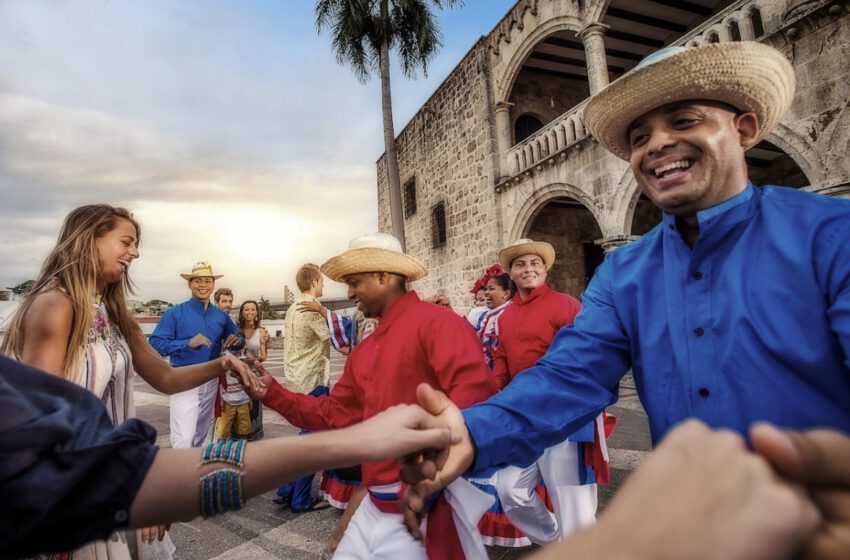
x,y
574,504
375,535
190,415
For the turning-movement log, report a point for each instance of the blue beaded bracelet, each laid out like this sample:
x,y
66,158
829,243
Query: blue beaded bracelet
x,y
220,491
224,451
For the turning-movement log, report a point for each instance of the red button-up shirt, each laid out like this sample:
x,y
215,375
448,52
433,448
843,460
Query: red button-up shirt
x,y
415,342
527,328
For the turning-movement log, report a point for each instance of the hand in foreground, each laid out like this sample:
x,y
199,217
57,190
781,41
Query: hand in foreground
x,y
199,340
428,471
240,370
398,431
231,341
820,460
311,306
154,533
700,495
261,386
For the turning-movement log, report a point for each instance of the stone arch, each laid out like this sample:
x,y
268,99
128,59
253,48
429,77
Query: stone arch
x,y
505,79
563,216
800,151
538,200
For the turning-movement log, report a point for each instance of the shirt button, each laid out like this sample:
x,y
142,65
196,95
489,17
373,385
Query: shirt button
x,y
697,275
703,392
671,226
120,516
699,331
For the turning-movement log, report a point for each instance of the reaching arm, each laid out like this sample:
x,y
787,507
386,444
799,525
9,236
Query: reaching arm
x,y
338,410
170,380
170,489
579,374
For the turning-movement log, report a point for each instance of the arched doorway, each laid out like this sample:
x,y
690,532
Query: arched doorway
x,y
770,165
646,216
572,230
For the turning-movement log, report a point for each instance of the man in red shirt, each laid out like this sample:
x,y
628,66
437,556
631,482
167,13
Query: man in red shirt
x,y
526,329
415,342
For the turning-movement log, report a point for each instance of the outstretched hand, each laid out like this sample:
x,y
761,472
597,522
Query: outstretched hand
x,y
240,370
260,388
820,461
430,470
399,431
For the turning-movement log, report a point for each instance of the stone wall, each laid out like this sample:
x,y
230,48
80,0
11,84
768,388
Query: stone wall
x,y
448,149
450,146
545,97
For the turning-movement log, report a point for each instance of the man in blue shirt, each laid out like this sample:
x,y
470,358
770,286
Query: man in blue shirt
x,y
735,309
191,333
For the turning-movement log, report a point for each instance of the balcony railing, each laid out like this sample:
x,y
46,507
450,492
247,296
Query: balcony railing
x,y
745,20
563,132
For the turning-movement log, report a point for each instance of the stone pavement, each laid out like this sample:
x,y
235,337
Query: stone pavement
x,y
262,530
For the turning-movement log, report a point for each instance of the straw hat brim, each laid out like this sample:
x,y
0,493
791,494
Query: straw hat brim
x,y
748,75
190,276
373,259
545,250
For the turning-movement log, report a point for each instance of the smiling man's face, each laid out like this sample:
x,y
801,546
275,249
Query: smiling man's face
x,y
689,155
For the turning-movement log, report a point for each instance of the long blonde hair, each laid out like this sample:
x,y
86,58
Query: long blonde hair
x,y
72,266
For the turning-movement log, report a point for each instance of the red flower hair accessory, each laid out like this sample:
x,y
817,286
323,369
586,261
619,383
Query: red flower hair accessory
x,y
494,270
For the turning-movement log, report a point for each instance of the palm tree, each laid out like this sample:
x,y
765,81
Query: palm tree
x,y
363,32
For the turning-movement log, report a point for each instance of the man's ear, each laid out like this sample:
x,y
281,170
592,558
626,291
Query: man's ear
x,y
748,129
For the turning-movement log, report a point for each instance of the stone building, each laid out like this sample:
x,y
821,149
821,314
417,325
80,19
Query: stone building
x,y
499,151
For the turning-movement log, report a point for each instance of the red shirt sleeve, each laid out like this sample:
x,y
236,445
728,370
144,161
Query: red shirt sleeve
x,y
328,412
454,354
501,373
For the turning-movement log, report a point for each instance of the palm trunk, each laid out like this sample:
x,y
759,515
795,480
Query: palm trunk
x,y
393,180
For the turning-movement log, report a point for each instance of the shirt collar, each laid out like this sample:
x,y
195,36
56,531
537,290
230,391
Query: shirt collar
x,y
196,303
397,308
535,293
726,213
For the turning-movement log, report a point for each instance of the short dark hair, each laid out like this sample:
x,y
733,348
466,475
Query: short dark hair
x,y
222,292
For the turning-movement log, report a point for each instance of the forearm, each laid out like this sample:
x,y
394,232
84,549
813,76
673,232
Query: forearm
x,y
170,490
188,377
304,411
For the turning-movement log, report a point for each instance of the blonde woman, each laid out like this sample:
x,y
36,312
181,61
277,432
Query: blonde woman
x,y
75,324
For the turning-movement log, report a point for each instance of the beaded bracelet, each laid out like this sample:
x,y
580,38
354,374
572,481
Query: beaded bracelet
x,y
220,491
224,451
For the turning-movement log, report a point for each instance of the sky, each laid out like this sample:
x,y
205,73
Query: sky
x,y
226,127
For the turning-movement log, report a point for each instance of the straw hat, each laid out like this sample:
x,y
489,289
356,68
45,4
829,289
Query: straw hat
x,y
201,270
522,247
374,252
748,75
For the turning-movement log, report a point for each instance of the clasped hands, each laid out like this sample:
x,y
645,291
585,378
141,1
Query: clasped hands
x,y
700,494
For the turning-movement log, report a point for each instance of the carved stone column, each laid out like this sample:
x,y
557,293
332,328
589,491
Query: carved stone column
x,y
593,37
504,137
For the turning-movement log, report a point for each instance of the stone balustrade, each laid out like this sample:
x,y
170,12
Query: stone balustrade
x,y
554,138
745,20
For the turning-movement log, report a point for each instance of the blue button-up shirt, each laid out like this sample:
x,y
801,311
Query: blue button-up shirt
x,y
752,323
183,321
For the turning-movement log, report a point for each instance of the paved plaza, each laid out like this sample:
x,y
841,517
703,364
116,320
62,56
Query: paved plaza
x,y
262,530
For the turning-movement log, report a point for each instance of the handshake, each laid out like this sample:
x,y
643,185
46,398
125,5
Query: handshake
x,y
700,494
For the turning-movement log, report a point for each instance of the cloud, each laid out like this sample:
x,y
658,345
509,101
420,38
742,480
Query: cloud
x,y
195,200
